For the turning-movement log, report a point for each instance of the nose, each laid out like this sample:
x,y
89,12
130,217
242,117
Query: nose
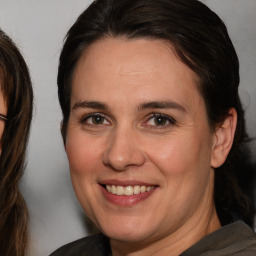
x,y
123,151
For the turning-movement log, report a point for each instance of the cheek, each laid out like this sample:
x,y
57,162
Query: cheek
x,y
170,154
83,153
179,154
84,159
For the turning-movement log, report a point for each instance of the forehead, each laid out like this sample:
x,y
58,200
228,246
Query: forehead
x,y
145,66
142,54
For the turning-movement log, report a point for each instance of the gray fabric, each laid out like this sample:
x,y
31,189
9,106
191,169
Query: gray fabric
x,y
233,239
236,239
95,245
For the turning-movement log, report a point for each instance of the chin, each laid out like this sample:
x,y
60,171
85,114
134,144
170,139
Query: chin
x,y
127,233
134,237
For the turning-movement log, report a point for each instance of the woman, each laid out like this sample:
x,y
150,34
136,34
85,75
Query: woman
x,y
153,129
16,112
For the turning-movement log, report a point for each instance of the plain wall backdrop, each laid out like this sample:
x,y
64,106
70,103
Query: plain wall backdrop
x,y
38,28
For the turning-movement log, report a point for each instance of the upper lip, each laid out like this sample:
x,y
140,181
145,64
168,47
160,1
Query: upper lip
x,y
125,183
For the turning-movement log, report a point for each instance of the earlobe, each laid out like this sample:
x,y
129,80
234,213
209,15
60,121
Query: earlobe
x,y
223,139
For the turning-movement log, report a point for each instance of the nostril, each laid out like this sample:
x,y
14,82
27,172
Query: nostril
x,y
123,151
125,160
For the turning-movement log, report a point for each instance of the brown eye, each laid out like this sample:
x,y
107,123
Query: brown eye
x,y
97,119
159,120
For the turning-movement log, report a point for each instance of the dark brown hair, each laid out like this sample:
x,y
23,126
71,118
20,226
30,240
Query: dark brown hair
x,y
201,41
15,85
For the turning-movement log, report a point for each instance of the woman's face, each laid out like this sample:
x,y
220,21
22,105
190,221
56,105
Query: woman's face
x,y
138,141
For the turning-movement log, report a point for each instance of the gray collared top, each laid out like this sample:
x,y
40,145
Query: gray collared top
x,y
236,239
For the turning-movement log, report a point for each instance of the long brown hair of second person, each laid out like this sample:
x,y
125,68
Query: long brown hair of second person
x,y
16,88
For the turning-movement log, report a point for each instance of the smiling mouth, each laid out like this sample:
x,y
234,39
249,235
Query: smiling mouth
x,y
128,190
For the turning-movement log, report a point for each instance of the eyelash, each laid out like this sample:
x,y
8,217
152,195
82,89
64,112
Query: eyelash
x,y
165,118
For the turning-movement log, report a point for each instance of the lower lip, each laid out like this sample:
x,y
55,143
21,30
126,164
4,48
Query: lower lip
x,y
126,200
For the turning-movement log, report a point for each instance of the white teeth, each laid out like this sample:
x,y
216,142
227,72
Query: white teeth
x,y
143,189
136,190
148,189
128,190
119,190
113,189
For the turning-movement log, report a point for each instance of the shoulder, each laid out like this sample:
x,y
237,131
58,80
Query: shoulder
x,y
241,239
236,239
92,245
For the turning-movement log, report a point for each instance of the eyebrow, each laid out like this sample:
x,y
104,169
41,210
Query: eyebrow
x,y
90,104
143,106
162,105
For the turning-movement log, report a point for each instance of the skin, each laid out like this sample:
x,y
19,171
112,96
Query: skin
x,y
128,146
3,110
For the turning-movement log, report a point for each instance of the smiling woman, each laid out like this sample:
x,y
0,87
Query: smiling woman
x,y
16,98
153,126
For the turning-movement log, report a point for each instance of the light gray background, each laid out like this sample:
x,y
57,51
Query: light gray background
x,y
38,28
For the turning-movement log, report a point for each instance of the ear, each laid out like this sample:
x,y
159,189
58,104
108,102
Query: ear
x,y
223,139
